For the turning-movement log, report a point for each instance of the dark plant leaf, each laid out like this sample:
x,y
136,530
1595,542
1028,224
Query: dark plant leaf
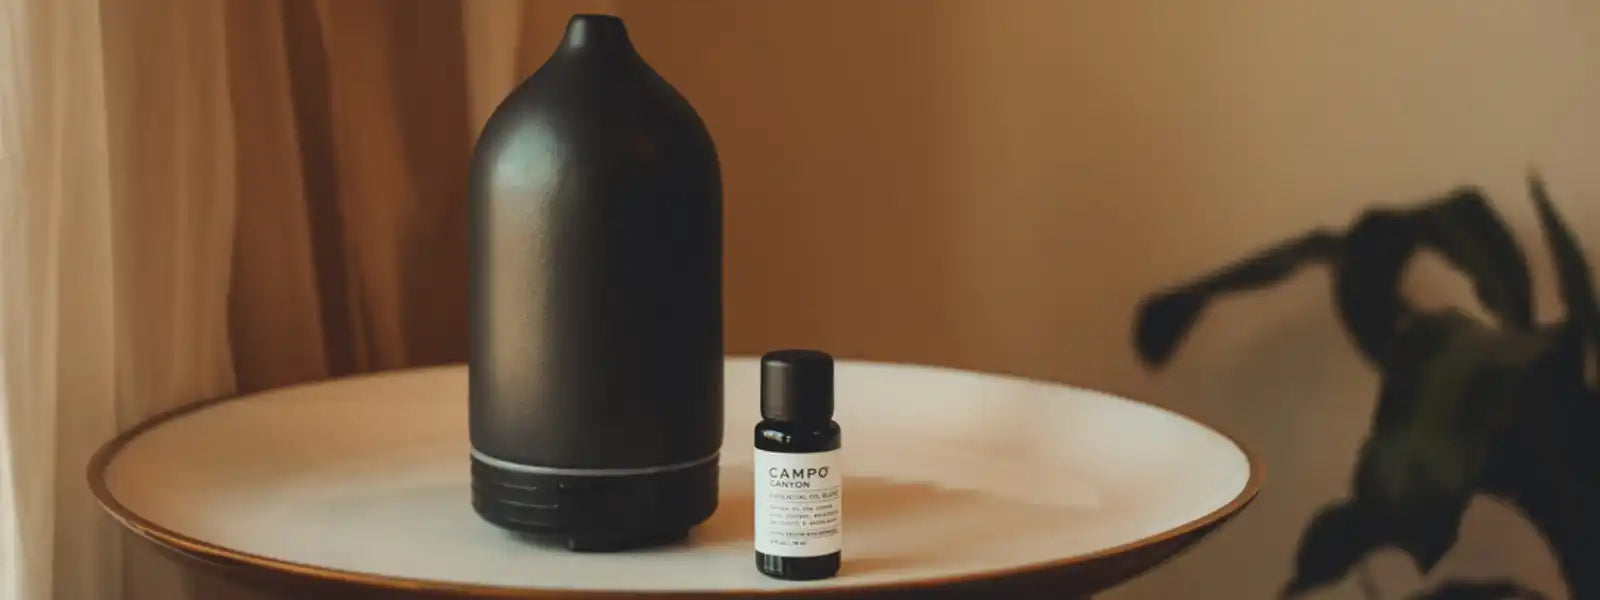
x,y
1450,385
1545,463
1468,233
1337,538
1407,356
1409,484
1163,320
1367,279
1463,229
1498,589
1577,291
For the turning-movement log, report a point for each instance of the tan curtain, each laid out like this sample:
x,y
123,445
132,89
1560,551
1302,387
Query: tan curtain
x,y
201,198
57,287
350,248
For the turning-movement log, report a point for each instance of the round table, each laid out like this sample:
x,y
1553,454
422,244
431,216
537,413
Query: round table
x,y
958,483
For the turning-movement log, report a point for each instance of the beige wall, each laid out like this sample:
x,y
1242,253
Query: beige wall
x,y
995,184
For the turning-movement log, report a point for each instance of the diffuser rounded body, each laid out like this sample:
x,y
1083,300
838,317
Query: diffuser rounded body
x,y
596,345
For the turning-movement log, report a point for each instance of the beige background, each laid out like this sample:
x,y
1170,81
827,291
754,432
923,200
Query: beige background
x,y
995,184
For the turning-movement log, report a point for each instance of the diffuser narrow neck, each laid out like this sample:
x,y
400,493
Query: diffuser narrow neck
x,y
596,34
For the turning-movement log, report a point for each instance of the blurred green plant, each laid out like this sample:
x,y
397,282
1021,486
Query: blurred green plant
x,y
1467,406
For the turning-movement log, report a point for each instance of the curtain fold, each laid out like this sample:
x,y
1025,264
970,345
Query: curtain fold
x,y
170,148
354,149
57,358
400,143
283,282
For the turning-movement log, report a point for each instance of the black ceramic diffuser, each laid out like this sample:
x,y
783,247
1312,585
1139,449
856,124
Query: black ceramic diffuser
x,y
596,359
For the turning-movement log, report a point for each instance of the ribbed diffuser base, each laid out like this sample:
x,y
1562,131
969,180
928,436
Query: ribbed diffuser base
x,y
597,513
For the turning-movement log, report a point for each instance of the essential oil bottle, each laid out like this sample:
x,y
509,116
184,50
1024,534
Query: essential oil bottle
x,y
799,483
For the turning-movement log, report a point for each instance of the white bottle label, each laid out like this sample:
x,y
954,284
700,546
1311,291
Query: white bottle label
x,y
798,503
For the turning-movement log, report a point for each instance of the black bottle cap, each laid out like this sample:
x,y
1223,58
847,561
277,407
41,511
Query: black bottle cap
x,y
797,385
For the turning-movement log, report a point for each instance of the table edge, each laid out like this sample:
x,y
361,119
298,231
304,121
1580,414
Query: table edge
x,y
253,564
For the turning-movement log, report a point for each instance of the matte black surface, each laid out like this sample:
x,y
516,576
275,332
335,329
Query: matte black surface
x,y
597,514
596,260
785,436
797,385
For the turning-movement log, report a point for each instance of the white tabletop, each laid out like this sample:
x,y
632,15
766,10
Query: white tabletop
x,y
951,476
